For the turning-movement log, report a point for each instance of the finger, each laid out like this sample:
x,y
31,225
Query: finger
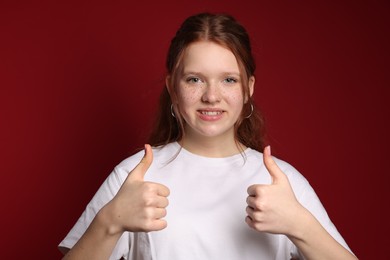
x,y
138,173
251,202
249,211
162,202
256,189
249,221
160,213
251,190
255,216
163,190
157,224
276,174
249,216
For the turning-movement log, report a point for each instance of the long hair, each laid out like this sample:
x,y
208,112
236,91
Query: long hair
x,y
226,31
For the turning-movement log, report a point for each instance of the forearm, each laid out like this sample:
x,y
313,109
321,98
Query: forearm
x,y
315,243
97,242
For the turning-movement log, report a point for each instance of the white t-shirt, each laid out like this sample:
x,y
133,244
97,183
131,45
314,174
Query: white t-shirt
x,y
206,212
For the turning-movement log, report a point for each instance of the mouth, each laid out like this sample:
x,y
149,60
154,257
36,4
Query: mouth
x,y
211,113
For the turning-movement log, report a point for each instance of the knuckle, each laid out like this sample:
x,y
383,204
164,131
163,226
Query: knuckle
x,y
148,224
147,213
260,190
258,217
260,205
149,187
148,201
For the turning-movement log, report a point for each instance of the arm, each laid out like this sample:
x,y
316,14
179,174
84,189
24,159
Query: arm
x,y
275,209
98,240
138,206
314,242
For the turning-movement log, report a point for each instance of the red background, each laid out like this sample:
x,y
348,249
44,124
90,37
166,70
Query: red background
x,y
80,83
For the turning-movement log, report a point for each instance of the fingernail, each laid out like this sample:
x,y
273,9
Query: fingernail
x,y
268,150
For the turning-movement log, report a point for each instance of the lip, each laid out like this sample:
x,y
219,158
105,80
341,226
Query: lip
x,y
210,114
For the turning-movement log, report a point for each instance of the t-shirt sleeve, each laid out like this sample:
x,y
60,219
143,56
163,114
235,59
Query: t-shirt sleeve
x,y
105,193
309,199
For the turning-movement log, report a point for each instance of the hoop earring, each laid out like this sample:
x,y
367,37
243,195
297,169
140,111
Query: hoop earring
x,y
251,112
172,113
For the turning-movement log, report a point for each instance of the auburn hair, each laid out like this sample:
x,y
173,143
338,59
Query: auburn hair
x,y
224,30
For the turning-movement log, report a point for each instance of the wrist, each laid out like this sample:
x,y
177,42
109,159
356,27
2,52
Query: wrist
x,y
302,224
108,222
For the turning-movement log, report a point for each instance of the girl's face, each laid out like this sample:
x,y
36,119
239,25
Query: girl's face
x,y
210,96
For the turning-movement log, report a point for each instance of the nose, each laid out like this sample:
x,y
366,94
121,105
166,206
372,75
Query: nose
x,y
212,93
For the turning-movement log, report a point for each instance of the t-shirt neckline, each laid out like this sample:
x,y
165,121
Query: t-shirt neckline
x,y
232,158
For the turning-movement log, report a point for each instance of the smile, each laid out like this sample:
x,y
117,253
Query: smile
x,y
211,113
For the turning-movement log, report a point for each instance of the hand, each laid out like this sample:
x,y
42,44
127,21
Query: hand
x,y
273,208
139,205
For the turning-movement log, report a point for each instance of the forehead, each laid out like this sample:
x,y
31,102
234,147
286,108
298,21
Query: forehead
x,y
206,56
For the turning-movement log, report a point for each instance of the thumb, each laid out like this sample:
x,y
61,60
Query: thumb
x,y
276,173
138,173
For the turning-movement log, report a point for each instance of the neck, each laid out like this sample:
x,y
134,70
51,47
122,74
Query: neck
x,y
214,147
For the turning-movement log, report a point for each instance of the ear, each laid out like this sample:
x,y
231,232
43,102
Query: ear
x,y
251,85
170,90
167,83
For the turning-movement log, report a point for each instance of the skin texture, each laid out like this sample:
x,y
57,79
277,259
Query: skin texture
x,y
210,100
210,83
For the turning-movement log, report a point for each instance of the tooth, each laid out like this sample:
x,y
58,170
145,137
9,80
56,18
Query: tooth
x,y
211,113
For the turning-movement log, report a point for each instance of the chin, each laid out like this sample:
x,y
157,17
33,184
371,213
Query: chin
x,y
215,133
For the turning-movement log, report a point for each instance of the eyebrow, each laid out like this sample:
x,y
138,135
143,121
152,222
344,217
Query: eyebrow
x,y
226,73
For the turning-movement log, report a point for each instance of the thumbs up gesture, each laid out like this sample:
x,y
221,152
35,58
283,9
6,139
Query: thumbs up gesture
x,y
273,208
139,205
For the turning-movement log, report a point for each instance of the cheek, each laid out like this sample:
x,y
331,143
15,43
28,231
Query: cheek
x,y
234,97
188,96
